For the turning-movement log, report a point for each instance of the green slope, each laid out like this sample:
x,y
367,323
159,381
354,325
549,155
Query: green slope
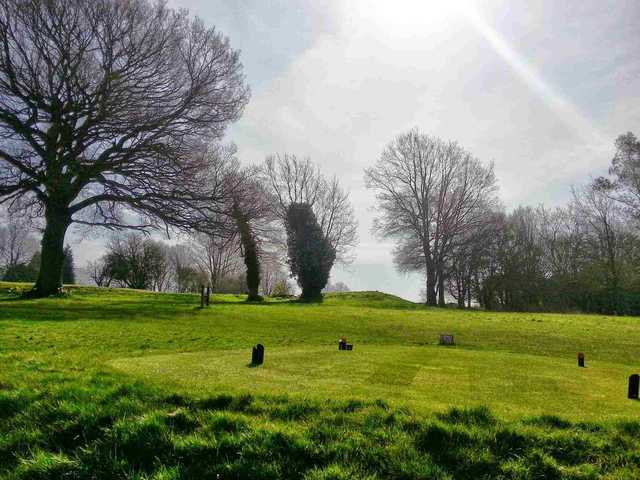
x,y
111,383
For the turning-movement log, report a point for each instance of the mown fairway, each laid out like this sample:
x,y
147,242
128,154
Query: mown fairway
x,y
114,383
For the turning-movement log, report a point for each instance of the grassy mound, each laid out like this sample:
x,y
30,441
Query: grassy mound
x,y
368,300
114,383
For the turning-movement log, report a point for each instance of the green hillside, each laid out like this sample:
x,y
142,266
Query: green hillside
x,y
110,383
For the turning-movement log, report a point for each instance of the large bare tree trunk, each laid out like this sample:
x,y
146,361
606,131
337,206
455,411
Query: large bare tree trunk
x,y
431,288
441,302
52,254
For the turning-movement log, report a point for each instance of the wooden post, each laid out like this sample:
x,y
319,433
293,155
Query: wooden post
x,y
634,386
581,359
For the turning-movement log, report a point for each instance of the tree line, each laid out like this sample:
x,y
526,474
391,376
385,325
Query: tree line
x,y
281,216
440,205
20,255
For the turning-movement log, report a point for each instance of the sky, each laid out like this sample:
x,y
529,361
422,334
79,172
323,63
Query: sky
x,y
539,88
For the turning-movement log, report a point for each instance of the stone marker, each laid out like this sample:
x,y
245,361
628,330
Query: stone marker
x,y
446,339
634,386
581,359
257,355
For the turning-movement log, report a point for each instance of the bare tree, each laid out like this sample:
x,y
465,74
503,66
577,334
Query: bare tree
x,y
104,106
272,272
17,242
217,255
246,223
135,261
563,234
604,236
625,169
294,181
185,273
430,195
470,258
583,256
99,272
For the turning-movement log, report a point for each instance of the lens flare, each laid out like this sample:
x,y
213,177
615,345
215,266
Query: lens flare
x,y
566,111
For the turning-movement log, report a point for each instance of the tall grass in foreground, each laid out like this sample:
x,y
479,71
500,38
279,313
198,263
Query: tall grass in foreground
x,y
106,427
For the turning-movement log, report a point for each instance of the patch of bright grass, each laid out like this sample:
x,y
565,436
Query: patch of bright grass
x,y
123,384
426,378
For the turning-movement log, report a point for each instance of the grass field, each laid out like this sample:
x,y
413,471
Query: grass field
x,y
127,384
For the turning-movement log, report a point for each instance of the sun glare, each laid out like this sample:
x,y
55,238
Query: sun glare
x,y
411,22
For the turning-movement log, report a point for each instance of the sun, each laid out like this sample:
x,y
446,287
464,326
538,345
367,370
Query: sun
x,y
410,17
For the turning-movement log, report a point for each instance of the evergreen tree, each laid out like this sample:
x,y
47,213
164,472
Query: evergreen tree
x,y
311,255
20,272
68,269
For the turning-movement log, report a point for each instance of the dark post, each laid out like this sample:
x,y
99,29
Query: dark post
x,y
207,297
257,355
634,386
581,359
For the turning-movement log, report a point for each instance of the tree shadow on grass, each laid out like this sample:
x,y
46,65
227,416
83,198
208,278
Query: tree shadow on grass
x,y
10,298
68,310
155,431
223,303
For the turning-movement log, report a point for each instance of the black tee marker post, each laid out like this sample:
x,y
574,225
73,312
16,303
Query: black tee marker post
x,y
257,355
634,386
